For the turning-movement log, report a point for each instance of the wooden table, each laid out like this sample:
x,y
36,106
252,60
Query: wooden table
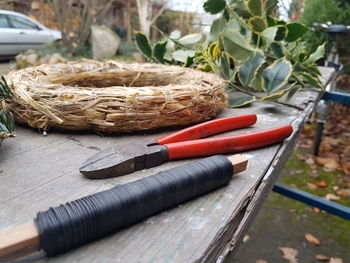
x,y
37,172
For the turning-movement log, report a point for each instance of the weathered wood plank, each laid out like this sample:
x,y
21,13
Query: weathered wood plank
x,y
39,172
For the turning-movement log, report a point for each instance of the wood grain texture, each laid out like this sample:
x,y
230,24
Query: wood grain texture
x,y
19,241
38,172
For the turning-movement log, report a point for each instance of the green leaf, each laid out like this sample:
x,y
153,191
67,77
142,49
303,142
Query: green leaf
x,y
318,54
268,35
176,34
7,124
313,81
275,22
236,45
258,82
240,101
312,69
225,66
226,14
248,69
182,55
233,24
216,28
205,68
282,32
292,91
190,39
170,48
214,6
214,50
256,7
5,91
257,24
277,50
277,95
270,5
295,31
189,62
240,8
159,50
276,75
143,44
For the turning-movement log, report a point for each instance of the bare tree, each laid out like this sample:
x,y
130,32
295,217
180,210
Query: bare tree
x,y
148,12
75,17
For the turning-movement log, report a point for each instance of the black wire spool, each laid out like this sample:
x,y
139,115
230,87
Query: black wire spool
x,y
92,217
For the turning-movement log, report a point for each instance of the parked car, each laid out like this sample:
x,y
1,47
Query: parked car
x,y
19,33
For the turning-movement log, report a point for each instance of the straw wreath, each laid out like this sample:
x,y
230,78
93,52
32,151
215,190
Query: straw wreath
x,y
113,96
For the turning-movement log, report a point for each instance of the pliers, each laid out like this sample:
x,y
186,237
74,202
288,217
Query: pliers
x,y
117,161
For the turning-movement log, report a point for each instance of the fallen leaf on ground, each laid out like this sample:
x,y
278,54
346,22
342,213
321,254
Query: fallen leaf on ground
x,y
246,238
346,167
311,186
331,197
312,239
321,184
332,141
301,157
261,261
343,192
329,164
321,257
289,254
310,160
335,260
316,209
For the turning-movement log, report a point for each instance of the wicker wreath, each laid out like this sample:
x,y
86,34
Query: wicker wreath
x,y
113,96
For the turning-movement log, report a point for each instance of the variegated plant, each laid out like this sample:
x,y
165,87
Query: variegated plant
x,y
259,54
7,126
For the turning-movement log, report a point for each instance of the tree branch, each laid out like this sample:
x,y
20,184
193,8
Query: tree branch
x,y
158,14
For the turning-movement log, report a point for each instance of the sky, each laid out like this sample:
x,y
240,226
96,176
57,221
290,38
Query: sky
x,y
187,5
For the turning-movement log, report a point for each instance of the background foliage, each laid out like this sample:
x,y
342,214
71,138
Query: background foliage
x,y
334,11
256,52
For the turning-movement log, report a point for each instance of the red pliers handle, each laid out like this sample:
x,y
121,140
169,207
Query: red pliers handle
x,y
208,128
227,144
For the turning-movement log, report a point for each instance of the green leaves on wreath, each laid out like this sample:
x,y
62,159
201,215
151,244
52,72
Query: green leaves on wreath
x,y
5,91
7,125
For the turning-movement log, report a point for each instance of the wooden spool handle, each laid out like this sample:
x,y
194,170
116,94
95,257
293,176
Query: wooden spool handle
x,y
24,239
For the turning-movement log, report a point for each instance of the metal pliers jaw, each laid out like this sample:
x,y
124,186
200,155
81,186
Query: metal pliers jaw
x,y
117,161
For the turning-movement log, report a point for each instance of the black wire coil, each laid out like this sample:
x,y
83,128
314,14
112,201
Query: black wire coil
x,y
89,218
